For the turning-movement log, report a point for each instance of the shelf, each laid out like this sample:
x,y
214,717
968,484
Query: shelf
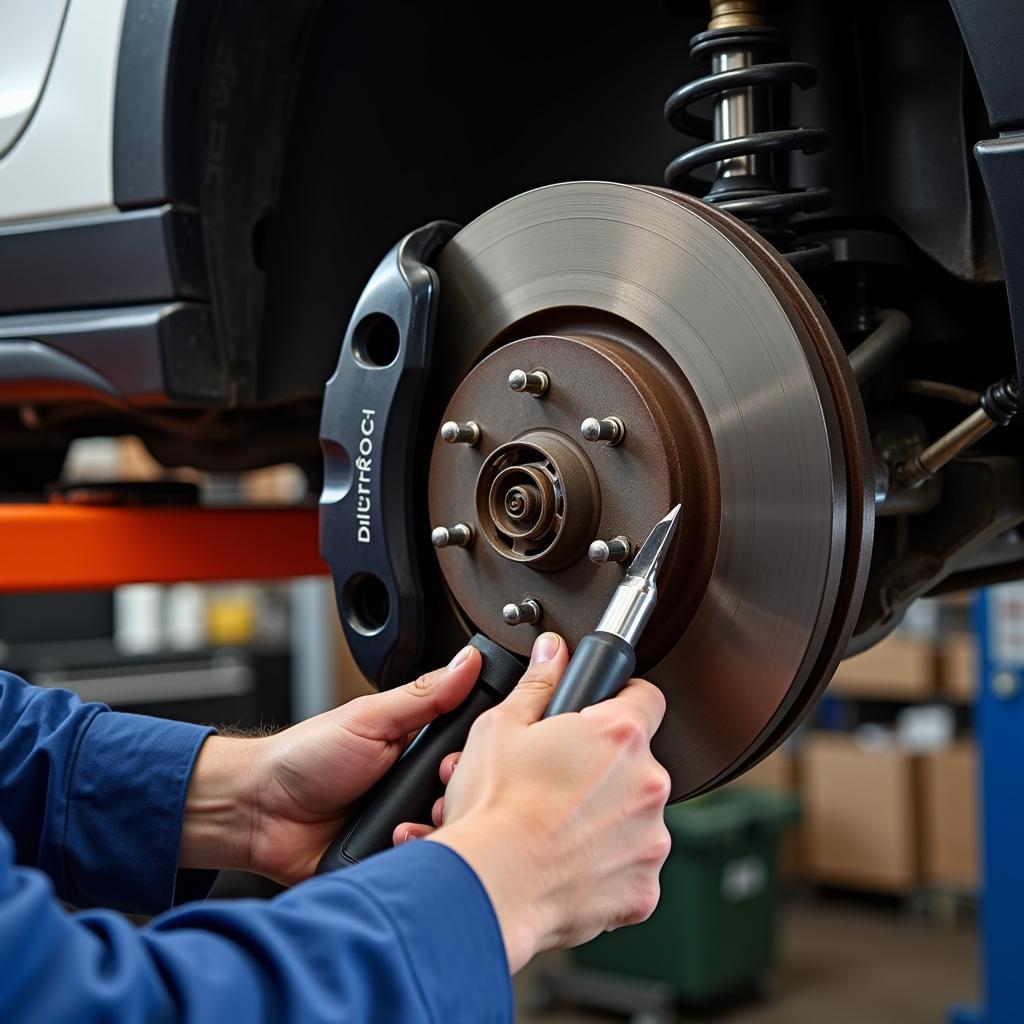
x,y
76,547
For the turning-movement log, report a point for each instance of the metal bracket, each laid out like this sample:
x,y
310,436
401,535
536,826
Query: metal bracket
x,y
368,429
1001,162
993,32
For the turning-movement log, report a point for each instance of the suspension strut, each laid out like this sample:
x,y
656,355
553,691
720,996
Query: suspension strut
x,y
749,67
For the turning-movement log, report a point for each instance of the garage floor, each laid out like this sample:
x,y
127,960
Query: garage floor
x,y
845,964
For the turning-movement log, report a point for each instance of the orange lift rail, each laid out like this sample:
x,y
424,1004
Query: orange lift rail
x,y
81,547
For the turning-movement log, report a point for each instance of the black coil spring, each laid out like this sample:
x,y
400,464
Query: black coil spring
x,y
758,201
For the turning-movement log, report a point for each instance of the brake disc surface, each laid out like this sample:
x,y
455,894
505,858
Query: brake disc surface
x,y
737,401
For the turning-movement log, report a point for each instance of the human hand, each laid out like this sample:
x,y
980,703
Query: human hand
x,y
272,805
563,818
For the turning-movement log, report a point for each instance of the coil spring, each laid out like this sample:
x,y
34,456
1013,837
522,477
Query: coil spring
x,y
757,200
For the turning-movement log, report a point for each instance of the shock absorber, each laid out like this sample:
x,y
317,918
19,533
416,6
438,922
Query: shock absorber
x,y
749,68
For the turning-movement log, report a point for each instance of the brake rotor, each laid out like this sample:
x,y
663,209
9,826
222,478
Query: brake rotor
x,y
736,401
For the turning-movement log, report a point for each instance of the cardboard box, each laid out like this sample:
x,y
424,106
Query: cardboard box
x,y
949,818
958,677
860,815
274,485
778,774
898,668
135,462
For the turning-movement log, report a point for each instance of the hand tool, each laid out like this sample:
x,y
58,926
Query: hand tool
x,y
604,660
408,791
602,664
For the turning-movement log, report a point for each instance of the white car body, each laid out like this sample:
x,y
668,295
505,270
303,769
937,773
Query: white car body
x,y
58,75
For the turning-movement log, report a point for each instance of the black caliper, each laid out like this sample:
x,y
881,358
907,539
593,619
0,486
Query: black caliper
x,y
368,430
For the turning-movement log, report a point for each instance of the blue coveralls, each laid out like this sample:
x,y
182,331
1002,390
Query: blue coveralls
x,y
91,807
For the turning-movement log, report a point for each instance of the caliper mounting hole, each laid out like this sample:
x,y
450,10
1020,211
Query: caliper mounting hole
x,y
366,603
376,341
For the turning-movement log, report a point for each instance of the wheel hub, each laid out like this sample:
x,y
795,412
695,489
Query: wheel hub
x,y
537,499
539,493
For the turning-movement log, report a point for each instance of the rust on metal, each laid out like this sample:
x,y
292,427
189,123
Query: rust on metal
x,y
735,14
541,495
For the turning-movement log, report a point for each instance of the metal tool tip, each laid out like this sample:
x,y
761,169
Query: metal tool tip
x,y
652,551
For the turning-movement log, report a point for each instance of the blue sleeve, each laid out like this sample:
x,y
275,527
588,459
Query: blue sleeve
x,y
96,799
408,937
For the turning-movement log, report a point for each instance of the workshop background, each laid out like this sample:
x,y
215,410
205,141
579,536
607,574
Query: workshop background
x,y
192,198
838,880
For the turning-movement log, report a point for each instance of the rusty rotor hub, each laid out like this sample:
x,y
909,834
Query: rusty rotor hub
x,y
538,494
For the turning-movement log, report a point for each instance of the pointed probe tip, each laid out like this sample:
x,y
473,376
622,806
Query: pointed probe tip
x,y
671,521
648,559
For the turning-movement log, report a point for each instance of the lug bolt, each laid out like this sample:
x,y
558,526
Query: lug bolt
x,y
610,429
460,433
618,549
458,536
525,614
535,383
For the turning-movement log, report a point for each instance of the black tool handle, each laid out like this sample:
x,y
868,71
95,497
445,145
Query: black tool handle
x,y
600,667
408,791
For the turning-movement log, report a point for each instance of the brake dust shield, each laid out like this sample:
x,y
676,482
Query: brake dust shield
x,y
737,401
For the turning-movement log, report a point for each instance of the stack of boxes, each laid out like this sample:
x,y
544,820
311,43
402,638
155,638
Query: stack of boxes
x,y
882,813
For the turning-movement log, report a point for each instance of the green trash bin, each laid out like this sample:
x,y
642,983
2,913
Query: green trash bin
x,y
713,932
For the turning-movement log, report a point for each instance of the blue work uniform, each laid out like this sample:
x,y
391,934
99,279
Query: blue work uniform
x,y
91,810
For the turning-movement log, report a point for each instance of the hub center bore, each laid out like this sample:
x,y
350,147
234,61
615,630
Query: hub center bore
x,y
524,509
538,500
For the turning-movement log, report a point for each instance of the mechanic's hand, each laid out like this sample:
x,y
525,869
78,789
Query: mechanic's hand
x,y
562,819
272,805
